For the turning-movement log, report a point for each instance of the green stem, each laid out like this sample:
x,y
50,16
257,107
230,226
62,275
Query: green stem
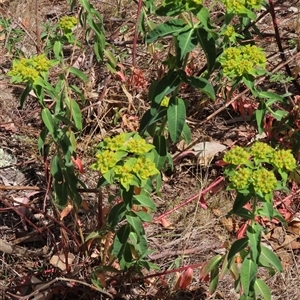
x,y
253,210
162,126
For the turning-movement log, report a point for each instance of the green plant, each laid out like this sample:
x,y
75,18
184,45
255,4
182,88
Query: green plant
x,y
128,161
12,36
254,173
62,120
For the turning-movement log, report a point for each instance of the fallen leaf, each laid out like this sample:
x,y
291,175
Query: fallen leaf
x,y
202,202
186,278
59,261
207,150
165,223
78,163
84,205
65,212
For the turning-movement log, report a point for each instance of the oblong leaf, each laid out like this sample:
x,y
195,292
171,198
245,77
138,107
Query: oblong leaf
x,y
160,144
261,289
171,27
187,41
236,247
145,201
268,258
208,45
48,121
248,275
210,265
176,115
201,84
78,74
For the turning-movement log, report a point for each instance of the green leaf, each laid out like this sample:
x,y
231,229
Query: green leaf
x,y
240,201
254,235
186,132
249,82
145,201
135,223
76,114
176,118
171,27
149,119
210,265
259,115
49,122
171,9
214,279
187,41
79,74
56,170
248,275
111,59
236,247
24,94
94,235
208,45
279,114
268,258
202,84
159,141
116,214
159,89
270,95
145,217
57,49
61,192
203,16
261,289
42,142
267,210
244,213
120,241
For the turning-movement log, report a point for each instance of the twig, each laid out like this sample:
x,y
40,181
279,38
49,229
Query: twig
x,y
174,253
135,38
20,187
46,216
37,29
48,284
197,196
279,44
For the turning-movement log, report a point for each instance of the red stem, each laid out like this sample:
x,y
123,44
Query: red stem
x,y
197,196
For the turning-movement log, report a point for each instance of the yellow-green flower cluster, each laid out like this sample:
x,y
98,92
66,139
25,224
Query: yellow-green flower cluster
x,y
283,159
236,156
197,2
254,4
229,32
138,146
241,178
144,168
263,181
240,6
116,142
125,158
261,151
29,69
66,23
105,161
242,60
123,173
